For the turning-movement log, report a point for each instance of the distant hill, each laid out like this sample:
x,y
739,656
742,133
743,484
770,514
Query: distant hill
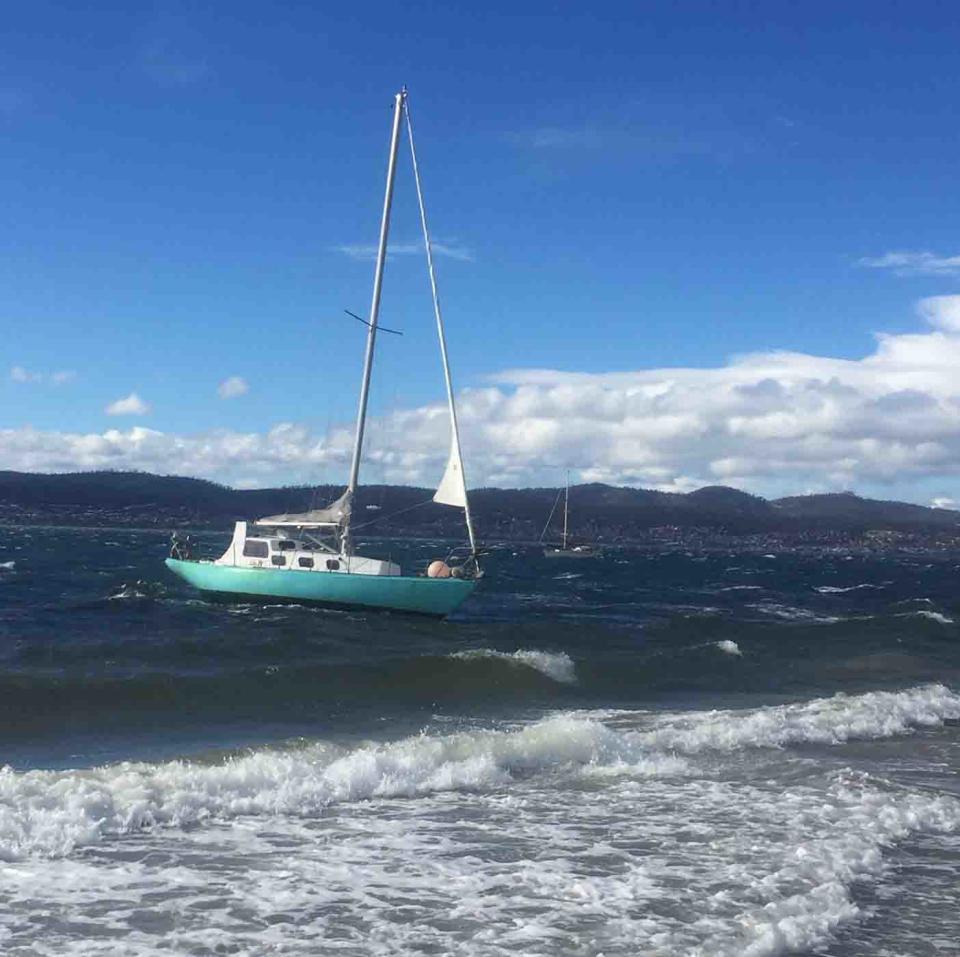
x,y
597,511
845,507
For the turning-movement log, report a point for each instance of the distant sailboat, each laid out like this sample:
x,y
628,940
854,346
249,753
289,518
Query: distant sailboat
x,y
565,550
309,556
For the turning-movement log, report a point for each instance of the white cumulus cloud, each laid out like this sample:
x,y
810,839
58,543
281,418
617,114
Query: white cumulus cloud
x,y
129,405
233,387
769,422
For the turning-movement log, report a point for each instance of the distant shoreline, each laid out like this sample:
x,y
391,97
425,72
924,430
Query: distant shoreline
x,y
703,544
711,518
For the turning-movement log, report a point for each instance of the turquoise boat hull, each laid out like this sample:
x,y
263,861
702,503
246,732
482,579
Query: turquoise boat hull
x,y
422,596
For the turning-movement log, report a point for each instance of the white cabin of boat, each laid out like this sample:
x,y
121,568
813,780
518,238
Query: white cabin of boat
x,y
254,546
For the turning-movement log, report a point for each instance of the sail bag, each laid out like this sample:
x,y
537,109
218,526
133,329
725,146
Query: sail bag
x,y
337,513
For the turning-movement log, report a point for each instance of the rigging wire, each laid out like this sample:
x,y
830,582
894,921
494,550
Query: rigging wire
x,y
401,511
556,502
443,339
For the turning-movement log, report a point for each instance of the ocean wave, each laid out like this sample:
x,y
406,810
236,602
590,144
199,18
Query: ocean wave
x,y
931,615
876,714
216,676
729,647
556,665
7,566
50,813
790,613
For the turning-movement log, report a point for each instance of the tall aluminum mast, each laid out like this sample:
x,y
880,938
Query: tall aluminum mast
x,y
374,312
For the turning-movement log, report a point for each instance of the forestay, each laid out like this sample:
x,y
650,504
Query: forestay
x,y
453,488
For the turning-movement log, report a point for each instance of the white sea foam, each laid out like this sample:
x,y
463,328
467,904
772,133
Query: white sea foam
x,y
729,647
127,591
789,613
52,812
766,871
542,841
853,825
556,665
742,588
876,714
7,566
48,813
837,590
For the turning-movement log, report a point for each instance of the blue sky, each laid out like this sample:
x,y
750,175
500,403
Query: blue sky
x,y
626,188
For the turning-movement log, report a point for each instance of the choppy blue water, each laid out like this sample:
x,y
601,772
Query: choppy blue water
x,y
730,754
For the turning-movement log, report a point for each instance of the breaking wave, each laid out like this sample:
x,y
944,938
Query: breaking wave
x,y
933,616
876,714
49,813
555,665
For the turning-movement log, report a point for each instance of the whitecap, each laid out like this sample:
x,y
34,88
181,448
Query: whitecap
x,y
729,647
932,615
836,590
139,589
876,714
7,566
556,665
789,613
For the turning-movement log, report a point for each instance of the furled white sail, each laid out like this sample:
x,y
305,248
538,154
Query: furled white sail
x,y
337,513
452,490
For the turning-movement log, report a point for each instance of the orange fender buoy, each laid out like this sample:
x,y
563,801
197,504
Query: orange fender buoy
x,y
438,569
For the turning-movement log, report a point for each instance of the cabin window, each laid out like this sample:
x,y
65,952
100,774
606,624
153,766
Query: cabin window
x,y
305,562
278,560
252,548
332,565
285,545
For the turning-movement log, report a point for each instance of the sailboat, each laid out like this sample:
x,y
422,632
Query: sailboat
x,y
309,556
565,550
